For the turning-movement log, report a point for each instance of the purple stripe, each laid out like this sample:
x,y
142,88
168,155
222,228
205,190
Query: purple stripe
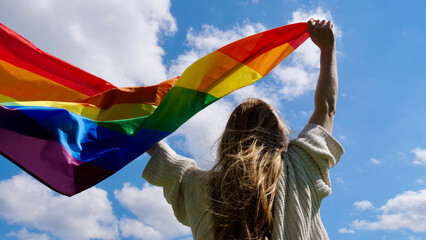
x,y
50,163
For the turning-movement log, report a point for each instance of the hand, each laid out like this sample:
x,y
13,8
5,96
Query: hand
x,y
321,33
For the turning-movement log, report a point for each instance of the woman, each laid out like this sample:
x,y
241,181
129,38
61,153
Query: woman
x,y
261,187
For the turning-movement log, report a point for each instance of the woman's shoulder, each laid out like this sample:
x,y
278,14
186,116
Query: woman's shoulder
x,y
315,139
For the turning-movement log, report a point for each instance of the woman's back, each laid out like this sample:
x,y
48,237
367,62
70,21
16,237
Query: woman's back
x,y
302,186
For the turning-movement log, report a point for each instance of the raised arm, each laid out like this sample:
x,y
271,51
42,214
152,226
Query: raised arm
x,y
326,92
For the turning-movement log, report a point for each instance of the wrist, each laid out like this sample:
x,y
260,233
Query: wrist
x,y
328,49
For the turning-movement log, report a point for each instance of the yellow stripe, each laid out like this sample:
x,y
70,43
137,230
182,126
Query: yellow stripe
x,y
23,85
217,74
116,112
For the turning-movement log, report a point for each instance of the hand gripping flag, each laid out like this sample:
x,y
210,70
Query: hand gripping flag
x,y
70,129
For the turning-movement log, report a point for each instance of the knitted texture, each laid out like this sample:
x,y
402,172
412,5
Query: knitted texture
x,y
302,186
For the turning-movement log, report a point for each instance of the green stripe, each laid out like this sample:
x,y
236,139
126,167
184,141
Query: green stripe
x,y
179,105
127,126
10,104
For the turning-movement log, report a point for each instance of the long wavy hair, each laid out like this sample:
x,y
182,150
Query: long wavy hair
x,y
245,177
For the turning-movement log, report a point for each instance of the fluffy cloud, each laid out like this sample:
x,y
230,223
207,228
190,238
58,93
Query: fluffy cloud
x,y
340,180
296,80
420,156
345,230
405,211
375,161
86,215
111,39
135,229
363,205
301,75
155,216
24,234
419,181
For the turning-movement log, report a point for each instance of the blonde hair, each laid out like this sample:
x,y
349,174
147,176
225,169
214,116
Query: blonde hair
x,y
244,179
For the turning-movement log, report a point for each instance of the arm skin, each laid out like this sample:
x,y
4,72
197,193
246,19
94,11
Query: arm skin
x,y
321,33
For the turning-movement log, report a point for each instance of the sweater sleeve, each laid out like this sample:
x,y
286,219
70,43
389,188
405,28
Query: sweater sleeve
x,y
169,170
323,149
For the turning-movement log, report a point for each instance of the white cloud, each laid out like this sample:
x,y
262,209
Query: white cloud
x,y
375,161
419,181
308,113
363,205
295,80
117,41
301,75
340,180
342,137
138,230
86,215
155,216
24,234
345,231
420,156
405,211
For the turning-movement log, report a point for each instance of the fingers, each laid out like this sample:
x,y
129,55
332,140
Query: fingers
x,y
319,24
329,24
311,23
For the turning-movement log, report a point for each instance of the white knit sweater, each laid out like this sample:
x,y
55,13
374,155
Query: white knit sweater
x,y
304,183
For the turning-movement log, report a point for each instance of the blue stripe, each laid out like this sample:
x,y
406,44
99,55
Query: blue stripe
x,y
87,141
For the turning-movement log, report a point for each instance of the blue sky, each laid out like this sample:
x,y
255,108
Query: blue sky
x,y
379,186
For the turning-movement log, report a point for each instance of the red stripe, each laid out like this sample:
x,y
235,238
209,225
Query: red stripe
x,y
298,41
18,51
250,47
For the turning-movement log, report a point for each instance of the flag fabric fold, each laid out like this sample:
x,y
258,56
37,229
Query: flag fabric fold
x,y
70,129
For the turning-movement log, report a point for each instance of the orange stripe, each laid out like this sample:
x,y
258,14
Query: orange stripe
x,y
24,85
151,95
267,61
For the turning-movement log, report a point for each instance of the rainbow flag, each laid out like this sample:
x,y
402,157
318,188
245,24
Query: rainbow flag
x,y
70,129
